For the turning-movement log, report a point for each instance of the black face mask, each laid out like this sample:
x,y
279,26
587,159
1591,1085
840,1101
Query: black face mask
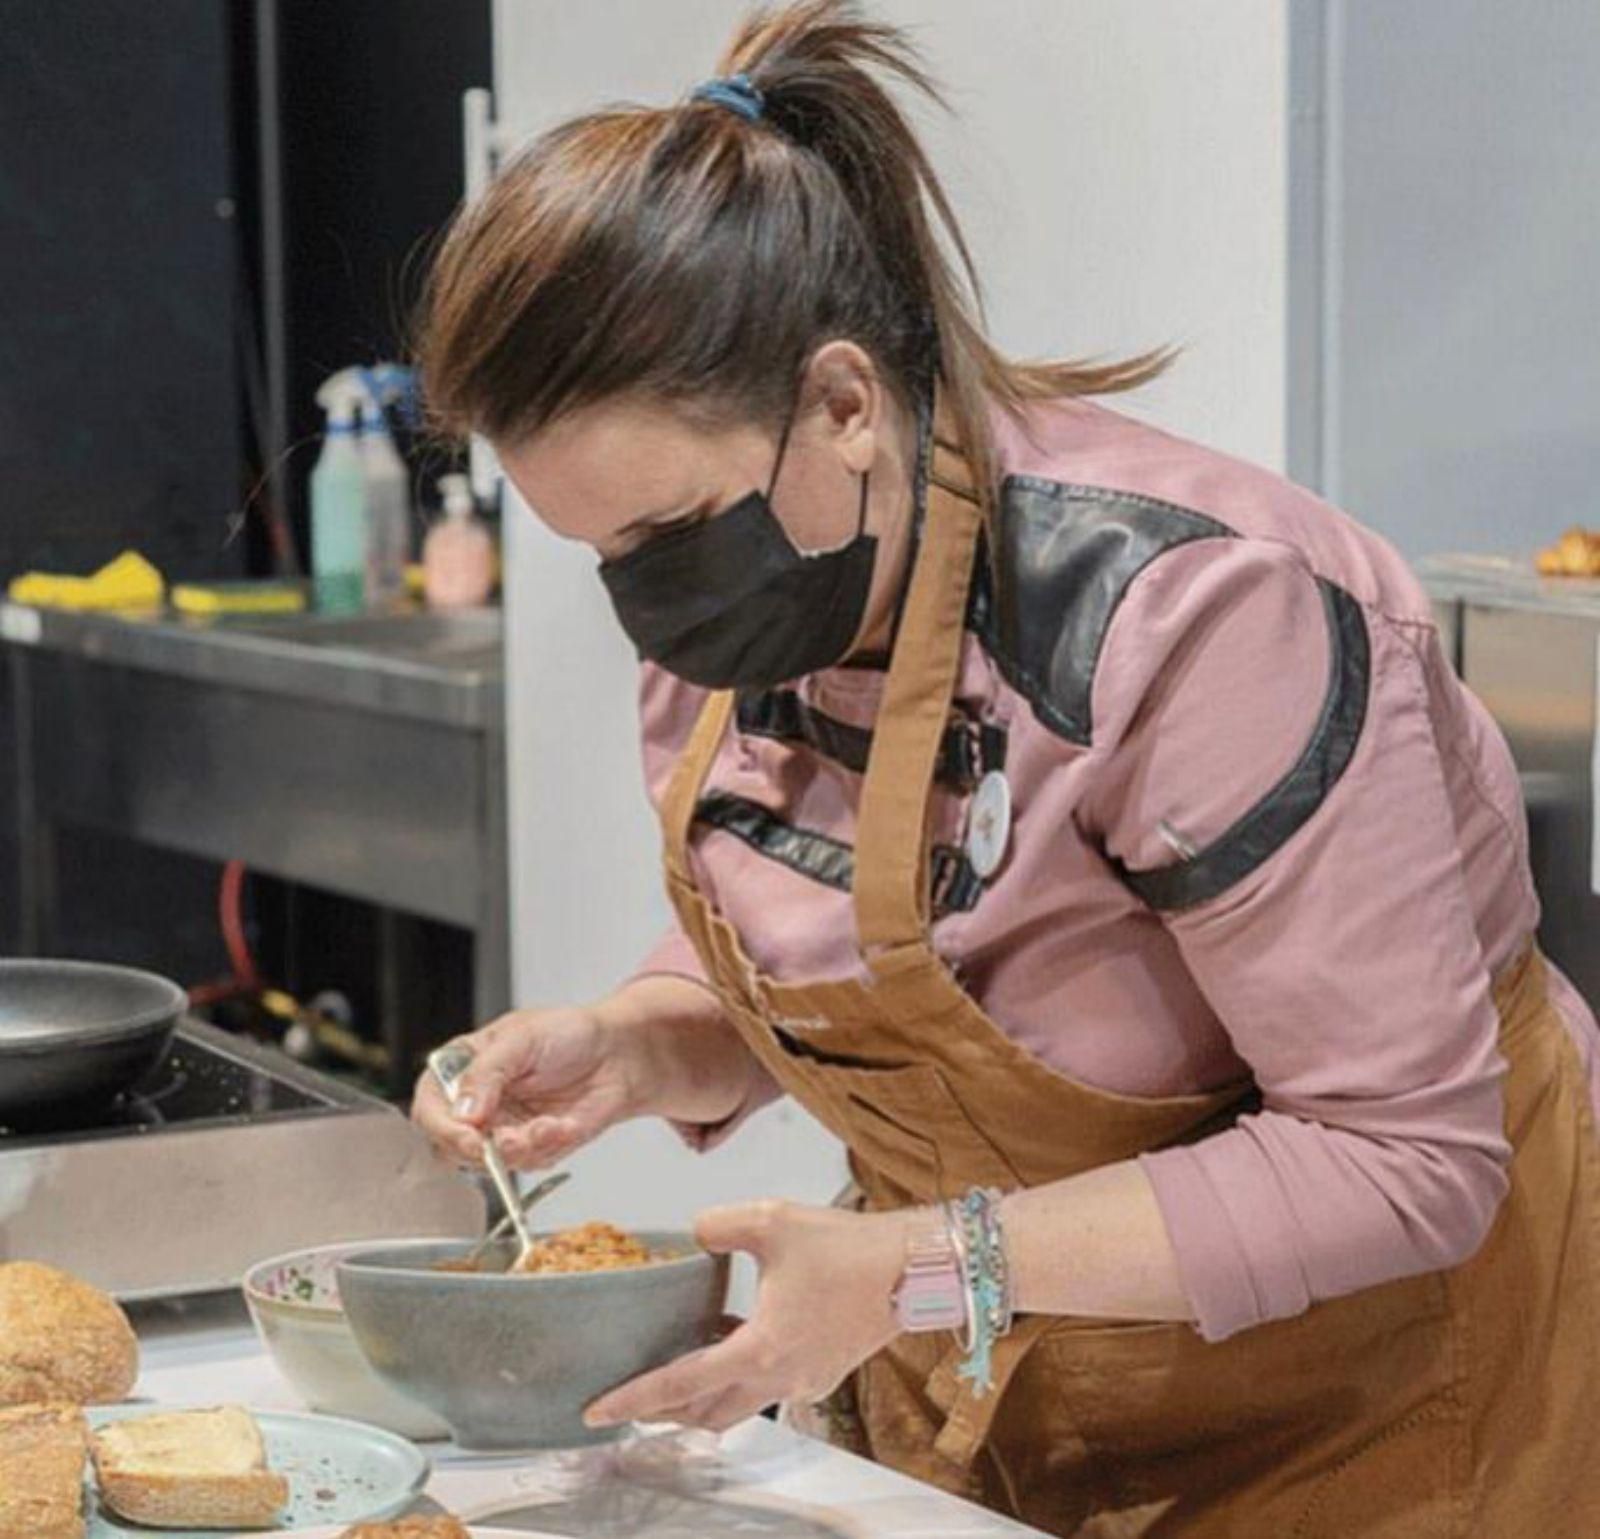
x,y
730,603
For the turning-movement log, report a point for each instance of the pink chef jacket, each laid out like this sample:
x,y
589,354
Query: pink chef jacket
x,y
1345,964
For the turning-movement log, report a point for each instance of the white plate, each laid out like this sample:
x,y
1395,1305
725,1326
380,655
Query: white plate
x,y
477,1530
340,1472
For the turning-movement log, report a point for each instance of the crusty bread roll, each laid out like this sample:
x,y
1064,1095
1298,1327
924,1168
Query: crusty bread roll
x,y
42,1449
1575,554
189,1469
61,1339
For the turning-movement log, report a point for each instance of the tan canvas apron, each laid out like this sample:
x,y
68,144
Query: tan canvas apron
x,y
1456,1403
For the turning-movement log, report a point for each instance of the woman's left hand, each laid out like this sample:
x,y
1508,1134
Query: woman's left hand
x,y
824,1305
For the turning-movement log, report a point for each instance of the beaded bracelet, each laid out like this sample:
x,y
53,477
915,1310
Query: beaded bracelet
x,y
975,1223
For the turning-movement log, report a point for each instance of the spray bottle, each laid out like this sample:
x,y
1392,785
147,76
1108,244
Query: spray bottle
x,y
388,496
338,499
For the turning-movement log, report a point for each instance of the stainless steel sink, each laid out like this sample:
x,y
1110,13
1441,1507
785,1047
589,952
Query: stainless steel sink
x,y
462,638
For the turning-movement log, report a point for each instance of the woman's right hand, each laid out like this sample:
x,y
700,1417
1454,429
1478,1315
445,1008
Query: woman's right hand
x,y
543,1081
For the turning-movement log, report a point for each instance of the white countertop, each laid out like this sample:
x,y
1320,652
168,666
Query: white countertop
x,y
1503,582
759,1480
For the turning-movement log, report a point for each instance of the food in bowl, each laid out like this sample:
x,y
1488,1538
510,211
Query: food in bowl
x,y
511,1361
592,1247
294,1302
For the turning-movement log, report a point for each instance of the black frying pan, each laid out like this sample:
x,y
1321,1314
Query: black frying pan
x,y
74,1034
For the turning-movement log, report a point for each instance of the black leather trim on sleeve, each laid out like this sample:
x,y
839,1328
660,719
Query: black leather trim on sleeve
x,y
1065,556
1289,804
969,749
956,886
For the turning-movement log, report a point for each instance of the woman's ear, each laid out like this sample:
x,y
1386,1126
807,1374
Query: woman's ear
x,y
847,399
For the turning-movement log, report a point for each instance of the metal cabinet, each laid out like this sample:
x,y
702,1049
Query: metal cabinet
x,y
1536,673
1527,648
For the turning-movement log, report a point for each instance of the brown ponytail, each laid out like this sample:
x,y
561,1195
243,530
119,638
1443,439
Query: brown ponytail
x,y
693,255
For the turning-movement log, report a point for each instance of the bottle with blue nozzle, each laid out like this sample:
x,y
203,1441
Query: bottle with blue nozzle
x,y
339,499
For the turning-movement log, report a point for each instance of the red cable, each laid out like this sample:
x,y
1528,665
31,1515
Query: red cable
x,y
230,903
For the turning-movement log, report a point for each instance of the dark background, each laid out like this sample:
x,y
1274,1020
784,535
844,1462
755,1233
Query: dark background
x,y
137,315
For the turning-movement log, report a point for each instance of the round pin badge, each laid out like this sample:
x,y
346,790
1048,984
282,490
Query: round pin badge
x,y
989,824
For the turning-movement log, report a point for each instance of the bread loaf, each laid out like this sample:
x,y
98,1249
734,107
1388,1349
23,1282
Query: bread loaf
x,y
189,1469
61,1339
42,1449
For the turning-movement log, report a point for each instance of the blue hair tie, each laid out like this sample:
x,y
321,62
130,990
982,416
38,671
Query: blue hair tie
x,y
735,92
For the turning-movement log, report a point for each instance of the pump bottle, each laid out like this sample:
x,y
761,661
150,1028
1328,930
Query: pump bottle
x,y
458,554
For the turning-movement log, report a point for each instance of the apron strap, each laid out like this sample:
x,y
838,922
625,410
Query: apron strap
x,y
891,870
969,1417
688,776
891,875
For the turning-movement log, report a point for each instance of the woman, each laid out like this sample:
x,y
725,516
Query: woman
x,y
1082,824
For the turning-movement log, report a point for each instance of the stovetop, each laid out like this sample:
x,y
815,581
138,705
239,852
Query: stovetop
x,y
228,1152
204,1079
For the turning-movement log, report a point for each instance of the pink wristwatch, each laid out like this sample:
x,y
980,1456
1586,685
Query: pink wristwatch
x,y
932,1292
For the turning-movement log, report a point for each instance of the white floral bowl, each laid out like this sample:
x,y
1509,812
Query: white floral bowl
x,y
294,1301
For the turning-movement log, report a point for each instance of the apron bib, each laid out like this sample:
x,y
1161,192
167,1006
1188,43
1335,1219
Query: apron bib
x,y
1450,1404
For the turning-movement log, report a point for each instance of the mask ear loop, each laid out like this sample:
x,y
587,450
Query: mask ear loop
x,y
772,486
783,449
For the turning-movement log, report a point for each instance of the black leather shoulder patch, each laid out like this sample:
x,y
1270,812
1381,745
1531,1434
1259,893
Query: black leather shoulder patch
x,y
1064,556
1267,826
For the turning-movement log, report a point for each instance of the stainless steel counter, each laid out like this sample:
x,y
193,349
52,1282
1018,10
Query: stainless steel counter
x,y
361,754
1506,583
1526,645
444,668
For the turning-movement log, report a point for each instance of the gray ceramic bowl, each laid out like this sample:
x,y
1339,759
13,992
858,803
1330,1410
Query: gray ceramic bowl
x,y
510,1362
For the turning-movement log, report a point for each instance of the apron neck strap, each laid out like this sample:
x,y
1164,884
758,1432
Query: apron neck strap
x,y
891,888
891,866
688,775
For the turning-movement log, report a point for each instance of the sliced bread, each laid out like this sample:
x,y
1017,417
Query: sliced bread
x,y
42,1449
189,1469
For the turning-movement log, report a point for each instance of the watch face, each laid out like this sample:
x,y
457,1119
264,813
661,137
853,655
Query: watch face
x,y
932,1295
931,1298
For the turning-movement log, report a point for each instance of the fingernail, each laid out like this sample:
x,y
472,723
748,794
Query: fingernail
x,y
594,1417
467,1107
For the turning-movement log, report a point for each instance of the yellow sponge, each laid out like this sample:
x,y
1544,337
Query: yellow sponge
x,y
129,582
239,598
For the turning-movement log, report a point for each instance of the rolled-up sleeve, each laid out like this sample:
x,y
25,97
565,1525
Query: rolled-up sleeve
x,y
673,955
1341,956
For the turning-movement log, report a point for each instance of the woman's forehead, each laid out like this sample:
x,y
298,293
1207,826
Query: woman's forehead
x,y
606,465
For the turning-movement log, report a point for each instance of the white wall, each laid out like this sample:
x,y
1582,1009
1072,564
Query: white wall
x,y
1120,168
1456,378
